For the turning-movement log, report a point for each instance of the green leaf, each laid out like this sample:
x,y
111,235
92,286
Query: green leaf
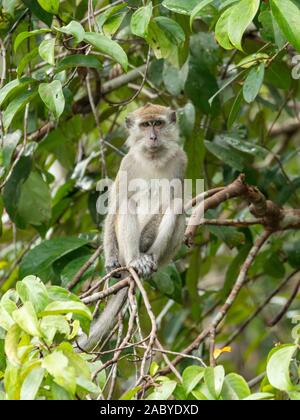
x,y
51,325
31,289
81,367
253,83
47,49
241,15
12,189
191,376
174,79
11,344
278,75
32,383
163,391
200,86
37,10
75,29
111,18
24,35
15,106
73,265
57,308
100,378
230,235
58,393
253,60
53,97
259,396
61,294
199,395
278,367
106,46
34,206
222,28
51,6
294,395
198,9
87,385
235,388
27,320
183,7
12,87
292,249
39,260
214,379
140,20
242,145
168,282
130,394
171,29
57,365
235,109
6,320
287,15
10,143
9,6
78,60
227,155
26,60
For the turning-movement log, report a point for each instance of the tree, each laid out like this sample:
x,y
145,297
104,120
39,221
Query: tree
x,y
70,71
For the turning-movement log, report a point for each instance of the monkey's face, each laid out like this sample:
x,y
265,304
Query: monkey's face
x,y
152,131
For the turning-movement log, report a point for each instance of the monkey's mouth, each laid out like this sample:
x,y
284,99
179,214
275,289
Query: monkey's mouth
x,y
154,146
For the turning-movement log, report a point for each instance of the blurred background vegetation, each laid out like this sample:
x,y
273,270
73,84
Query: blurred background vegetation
x,y
71,70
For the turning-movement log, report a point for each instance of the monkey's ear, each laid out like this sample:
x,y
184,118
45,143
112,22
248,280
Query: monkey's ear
x,y
173,117
129,122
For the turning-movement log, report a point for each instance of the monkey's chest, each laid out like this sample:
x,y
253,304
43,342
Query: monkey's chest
x,y
151,199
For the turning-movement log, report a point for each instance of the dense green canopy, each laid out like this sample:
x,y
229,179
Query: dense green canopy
x,y
70,71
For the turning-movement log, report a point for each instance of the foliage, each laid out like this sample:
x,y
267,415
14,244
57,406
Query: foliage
x,y
37,326
231,70
211,383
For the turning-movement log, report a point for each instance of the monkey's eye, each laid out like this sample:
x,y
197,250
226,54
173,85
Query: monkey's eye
x,y
145,124
158,123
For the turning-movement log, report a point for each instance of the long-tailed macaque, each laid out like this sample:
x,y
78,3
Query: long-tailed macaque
x,y
134,237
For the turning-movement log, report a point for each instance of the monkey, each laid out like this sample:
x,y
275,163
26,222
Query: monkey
x,y
133,238
147,242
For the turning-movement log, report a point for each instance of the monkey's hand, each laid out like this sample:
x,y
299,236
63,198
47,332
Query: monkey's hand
x,y
144,265
111,265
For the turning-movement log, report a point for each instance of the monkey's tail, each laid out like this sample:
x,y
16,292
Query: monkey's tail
x,y
103,325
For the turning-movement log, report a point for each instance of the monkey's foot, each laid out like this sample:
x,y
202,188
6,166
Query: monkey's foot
x,y
144,265
112,265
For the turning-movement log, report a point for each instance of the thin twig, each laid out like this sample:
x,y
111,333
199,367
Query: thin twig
x,y
107,292
284,310
84,268
101,281
260,308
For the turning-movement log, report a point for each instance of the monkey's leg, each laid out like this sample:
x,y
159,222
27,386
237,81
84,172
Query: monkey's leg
x,y
169,237
111,249
129,234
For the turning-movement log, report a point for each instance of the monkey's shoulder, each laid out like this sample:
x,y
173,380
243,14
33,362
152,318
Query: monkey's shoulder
x,y
182,157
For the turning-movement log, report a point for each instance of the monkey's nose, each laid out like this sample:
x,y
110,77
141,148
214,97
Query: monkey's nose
x,y
153,137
